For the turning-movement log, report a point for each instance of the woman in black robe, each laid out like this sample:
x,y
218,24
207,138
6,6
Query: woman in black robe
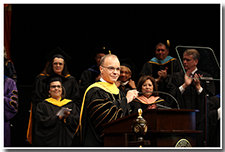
x,y
52,129
57,66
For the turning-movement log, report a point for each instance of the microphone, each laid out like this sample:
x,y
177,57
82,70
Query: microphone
x,y
178,107
165,107
206,78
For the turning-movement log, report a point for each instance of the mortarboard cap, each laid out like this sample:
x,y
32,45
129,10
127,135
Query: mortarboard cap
x,y
57,51
166,42
161,39
128,63
54,77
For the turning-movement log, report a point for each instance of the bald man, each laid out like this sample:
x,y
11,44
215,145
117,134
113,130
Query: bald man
x,y
103,102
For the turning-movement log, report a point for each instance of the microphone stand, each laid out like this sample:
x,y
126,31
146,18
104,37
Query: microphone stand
x,y
163,107
207,81
178,107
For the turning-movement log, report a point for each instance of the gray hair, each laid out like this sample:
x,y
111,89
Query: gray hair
x,y
193,52
106,56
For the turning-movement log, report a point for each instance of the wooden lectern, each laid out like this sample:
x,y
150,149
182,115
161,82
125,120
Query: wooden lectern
x,y
166,128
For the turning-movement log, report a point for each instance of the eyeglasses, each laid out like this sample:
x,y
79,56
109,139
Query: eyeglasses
x,y
186,59
111,68
54,86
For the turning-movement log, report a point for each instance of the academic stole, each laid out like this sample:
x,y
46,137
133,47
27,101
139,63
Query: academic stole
x,y
58,103
108,87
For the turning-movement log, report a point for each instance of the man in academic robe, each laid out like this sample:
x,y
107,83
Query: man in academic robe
x,y
10,107
161,66
190,91
102,103
92,74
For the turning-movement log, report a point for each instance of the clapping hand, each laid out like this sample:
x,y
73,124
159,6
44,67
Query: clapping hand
x,y
162,74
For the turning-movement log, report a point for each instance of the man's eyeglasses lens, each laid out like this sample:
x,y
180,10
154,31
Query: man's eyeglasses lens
x,y
112,68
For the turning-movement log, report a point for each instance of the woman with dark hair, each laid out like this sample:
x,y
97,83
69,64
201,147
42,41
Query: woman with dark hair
x,y
147,99
57,66
54,129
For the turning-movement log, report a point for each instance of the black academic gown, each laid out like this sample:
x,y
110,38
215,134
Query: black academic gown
x,y
125,89
40,93
49,130
213,122
152,68
100,107
190,98
88,77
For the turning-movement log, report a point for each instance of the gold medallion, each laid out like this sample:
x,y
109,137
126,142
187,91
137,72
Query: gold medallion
x,y
183,143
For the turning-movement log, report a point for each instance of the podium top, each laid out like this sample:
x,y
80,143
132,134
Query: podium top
x,y
147,113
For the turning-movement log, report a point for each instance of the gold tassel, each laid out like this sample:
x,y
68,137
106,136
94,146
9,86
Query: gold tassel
x,y
109,52
168,43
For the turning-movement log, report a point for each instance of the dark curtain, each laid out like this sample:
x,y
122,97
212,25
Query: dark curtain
x,y
7,28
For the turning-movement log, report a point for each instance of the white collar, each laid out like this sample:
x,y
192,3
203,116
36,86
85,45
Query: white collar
x,y
123,83
193,72
102,80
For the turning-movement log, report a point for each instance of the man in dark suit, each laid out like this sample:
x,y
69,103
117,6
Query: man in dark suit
x,y
189,90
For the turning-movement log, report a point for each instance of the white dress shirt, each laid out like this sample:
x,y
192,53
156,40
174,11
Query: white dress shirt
x,y
192,74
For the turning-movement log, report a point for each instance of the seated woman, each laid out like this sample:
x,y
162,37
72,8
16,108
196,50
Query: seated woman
x,y
52,129
147,99
125,83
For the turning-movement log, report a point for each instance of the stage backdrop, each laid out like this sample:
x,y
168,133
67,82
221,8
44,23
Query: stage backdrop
x,y
128,30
